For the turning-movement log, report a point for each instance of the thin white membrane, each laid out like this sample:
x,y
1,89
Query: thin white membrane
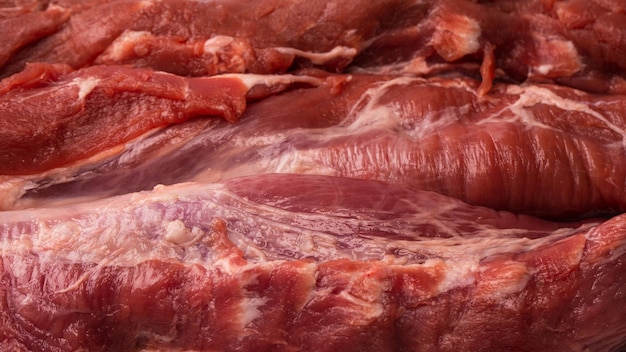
x,y
367,116
128,229
338,52
13,188
252,80
530,96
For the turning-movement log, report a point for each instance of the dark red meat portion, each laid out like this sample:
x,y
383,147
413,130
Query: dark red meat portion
x,y
540,149
573,43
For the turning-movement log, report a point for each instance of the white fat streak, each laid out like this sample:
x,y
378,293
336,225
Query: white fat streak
x,y
85,276
12,189
160,193
214,44
374,114
513,280
225,264
129,37
305,162
367,114
116,51
252,80
368,310
417,67
483,243
458,273
79,232
85,86
282,234
544,69
464,31
251,304
321,58
151,335
567,54
530,96
250,309
617,250
94,236
177,232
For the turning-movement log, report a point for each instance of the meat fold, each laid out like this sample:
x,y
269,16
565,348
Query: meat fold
x,y
53,116
573,43
540,149
256,264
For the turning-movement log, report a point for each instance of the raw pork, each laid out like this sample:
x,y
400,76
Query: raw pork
x,y
53,116
575,43
309,263
393,175
539,149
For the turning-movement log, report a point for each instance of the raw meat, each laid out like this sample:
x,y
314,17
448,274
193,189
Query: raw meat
x,y
394,175
28,28
228,36
574,43
287,262
538,149
53,116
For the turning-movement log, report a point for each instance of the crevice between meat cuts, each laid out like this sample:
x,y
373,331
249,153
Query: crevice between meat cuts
x,y
294,175
545,150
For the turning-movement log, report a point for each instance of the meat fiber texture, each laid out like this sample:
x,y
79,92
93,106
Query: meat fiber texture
x,y
355,175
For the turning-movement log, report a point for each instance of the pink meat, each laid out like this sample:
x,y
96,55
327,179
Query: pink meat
x,y
181,268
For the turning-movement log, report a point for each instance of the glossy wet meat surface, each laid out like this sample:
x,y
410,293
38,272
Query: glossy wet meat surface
x,y
266,175
293,260
536,149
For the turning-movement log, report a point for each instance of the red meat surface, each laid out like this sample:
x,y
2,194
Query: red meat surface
x,y
311,263
271,175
